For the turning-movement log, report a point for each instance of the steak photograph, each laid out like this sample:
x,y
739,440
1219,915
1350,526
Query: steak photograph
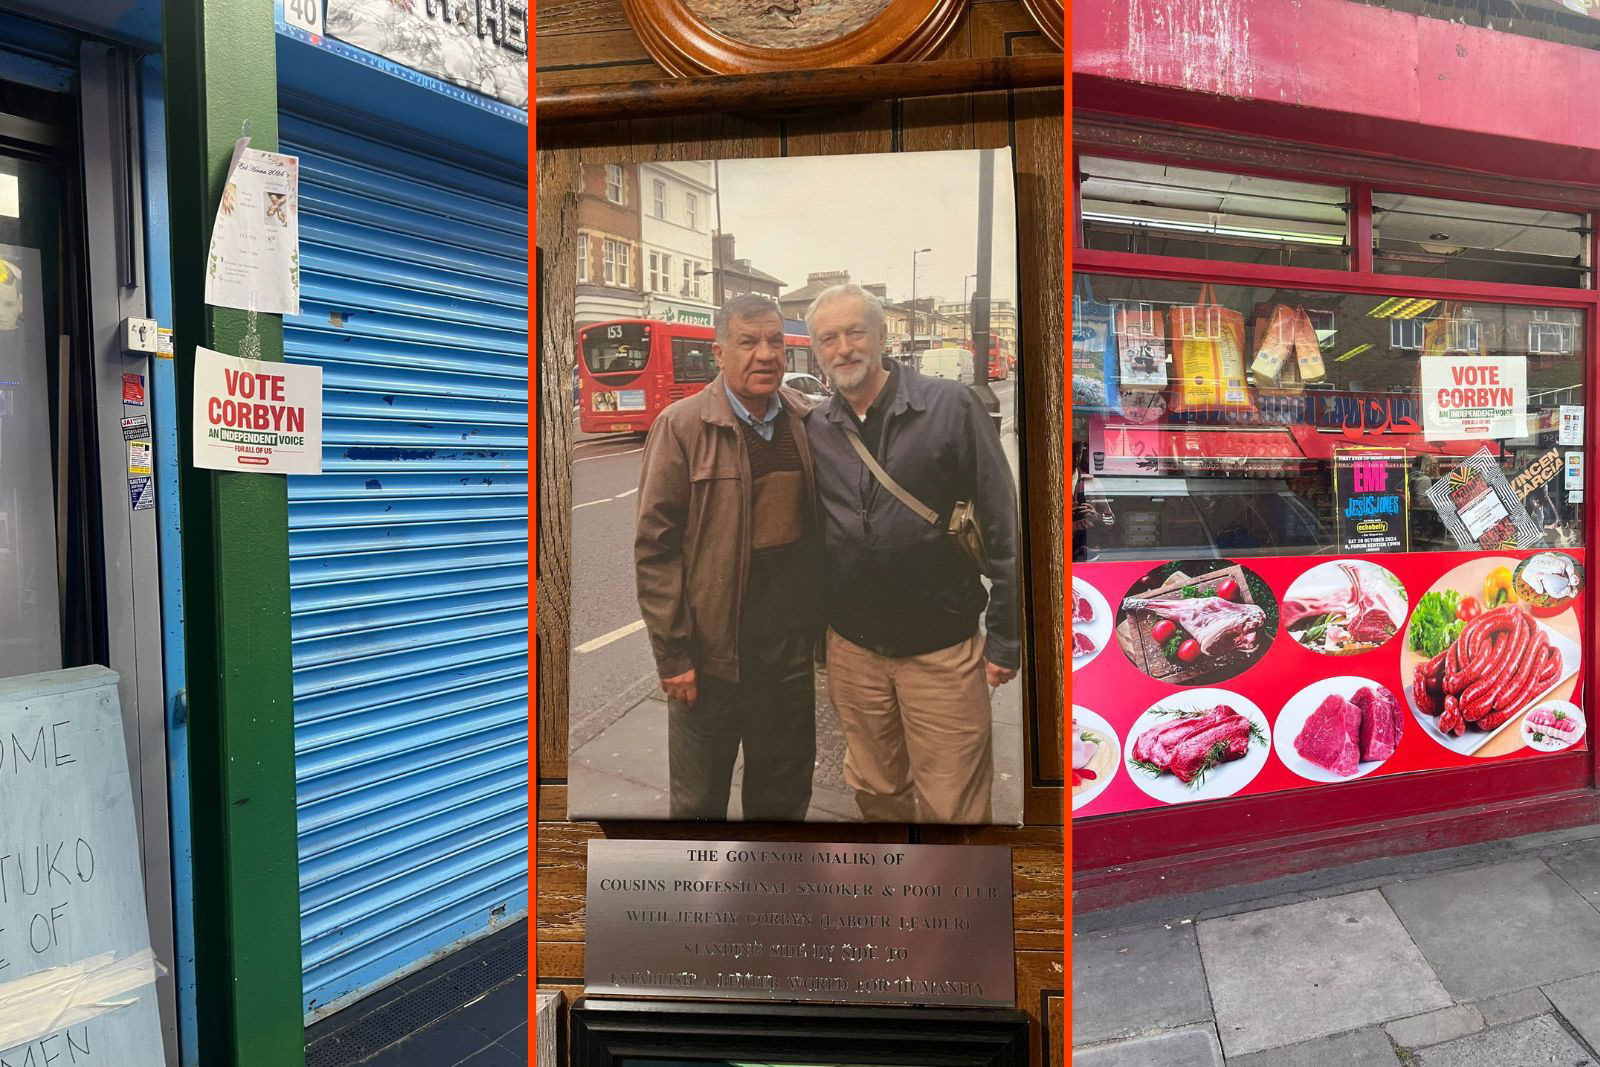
x,y
1197,622
1339,728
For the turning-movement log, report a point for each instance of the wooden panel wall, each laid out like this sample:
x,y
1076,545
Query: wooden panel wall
x,y
589,42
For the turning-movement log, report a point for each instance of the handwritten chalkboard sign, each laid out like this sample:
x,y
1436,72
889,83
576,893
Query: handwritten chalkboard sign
x,y
77,977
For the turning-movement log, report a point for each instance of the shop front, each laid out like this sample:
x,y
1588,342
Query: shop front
x,y
408,558
1330,496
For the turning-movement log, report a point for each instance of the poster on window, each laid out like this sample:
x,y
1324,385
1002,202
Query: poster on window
x,y
1474,397
1371,500
1480,508
1200,679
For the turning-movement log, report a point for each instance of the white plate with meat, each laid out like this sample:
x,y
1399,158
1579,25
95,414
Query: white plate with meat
x,y
1344,607
1339,729
1502,663
1091,623
1197,745
1553,725
1095,755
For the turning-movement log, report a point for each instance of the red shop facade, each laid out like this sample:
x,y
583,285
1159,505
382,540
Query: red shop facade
x,y
1335,327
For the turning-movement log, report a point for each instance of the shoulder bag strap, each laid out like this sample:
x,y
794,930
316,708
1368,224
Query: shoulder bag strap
x,y
918,508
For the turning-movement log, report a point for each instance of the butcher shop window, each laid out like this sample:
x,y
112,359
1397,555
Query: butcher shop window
x,y
1209,420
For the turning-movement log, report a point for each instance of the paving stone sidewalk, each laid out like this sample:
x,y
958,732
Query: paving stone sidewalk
x,y
1487,956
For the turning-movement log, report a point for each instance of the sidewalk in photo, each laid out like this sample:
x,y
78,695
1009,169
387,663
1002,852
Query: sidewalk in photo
x,y
621,771
1484,956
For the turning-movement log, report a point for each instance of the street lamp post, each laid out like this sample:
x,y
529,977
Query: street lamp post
x,y
912,347
966,310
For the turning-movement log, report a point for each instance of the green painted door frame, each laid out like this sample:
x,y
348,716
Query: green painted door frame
x,y
222,74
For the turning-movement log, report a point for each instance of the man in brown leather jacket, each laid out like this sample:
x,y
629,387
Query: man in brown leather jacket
x,y
724,556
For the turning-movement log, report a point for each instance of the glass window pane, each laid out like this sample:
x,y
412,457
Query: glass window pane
x,y
1191,442
1152,208
30,605
1426,237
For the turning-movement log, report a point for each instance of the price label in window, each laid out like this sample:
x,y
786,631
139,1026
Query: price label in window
x,y
304,15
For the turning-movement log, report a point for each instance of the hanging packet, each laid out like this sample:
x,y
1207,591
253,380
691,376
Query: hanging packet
x,y
1274,372
1094,356
1208,357
1141,343
1286,332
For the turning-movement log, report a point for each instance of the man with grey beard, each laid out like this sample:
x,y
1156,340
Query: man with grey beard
x,y
909,667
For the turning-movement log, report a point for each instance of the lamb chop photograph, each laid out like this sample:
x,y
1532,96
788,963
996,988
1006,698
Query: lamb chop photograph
x,y
1345,607
1197,622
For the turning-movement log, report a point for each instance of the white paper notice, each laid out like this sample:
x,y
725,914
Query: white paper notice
x,y
255,241
1474,397
1571,432
251,415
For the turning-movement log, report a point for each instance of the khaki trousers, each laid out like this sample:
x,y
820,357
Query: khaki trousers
x,y
918,729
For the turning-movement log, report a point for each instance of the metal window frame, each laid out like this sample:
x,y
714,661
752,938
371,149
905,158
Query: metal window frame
x,y
112,179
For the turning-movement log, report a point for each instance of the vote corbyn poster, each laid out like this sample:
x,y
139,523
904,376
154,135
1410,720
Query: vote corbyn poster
x,y
1474,398
251,415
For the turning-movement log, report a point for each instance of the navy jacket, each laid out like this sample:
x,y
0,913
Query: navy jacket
x,y
894,583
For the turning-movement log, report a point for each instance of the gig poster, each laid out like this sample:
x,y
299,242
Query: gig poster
x,y
1371,500
1195,680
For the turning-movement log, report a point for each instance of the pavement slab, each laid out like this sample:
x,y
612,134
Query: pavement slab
x,y
1530,1043
1300,971
1500,928
1512,1007
1134,981
1578,1001
1360,1048
1435,1027
1191,1047
1579,865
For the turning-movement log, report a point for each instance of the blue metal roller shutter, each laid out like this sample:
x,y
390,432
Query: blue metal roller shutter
x,y
408,559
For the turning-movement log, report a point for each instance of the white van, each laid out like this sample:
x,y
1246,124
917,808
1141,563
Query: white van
x,y
952,363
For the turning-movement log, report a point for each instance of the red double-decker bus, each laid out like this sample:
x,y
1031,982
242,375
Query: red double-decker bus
x,y
1000,361
630,369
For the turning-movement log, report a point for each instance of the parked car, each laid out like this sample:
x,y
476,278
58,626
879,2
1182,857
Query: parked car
x,y
807,385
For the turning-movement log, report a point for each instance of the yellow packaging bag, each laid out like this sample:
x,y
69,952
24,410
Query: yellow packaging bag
x,y
1208,357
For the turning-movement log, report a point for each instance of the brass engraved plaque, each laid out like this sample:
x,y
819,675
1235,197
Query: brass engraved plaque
x,y
758,920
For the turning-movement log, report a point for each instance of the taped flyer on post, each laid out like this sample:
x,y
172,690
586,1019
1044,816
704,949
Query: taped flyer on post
x,y
254,262
251,415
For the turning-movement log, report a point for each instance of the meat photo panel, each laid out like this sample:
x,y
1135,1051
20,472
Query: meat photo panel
x,y
1194,622
1296,672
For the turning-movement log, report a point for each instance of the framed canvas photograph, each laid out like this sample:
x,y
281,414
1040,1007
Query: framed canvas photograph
x,y
797,538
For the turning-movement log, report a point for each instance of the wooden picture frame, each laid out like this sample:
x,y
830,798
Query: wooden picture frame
x,y
610,1032
688,43
1051,18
